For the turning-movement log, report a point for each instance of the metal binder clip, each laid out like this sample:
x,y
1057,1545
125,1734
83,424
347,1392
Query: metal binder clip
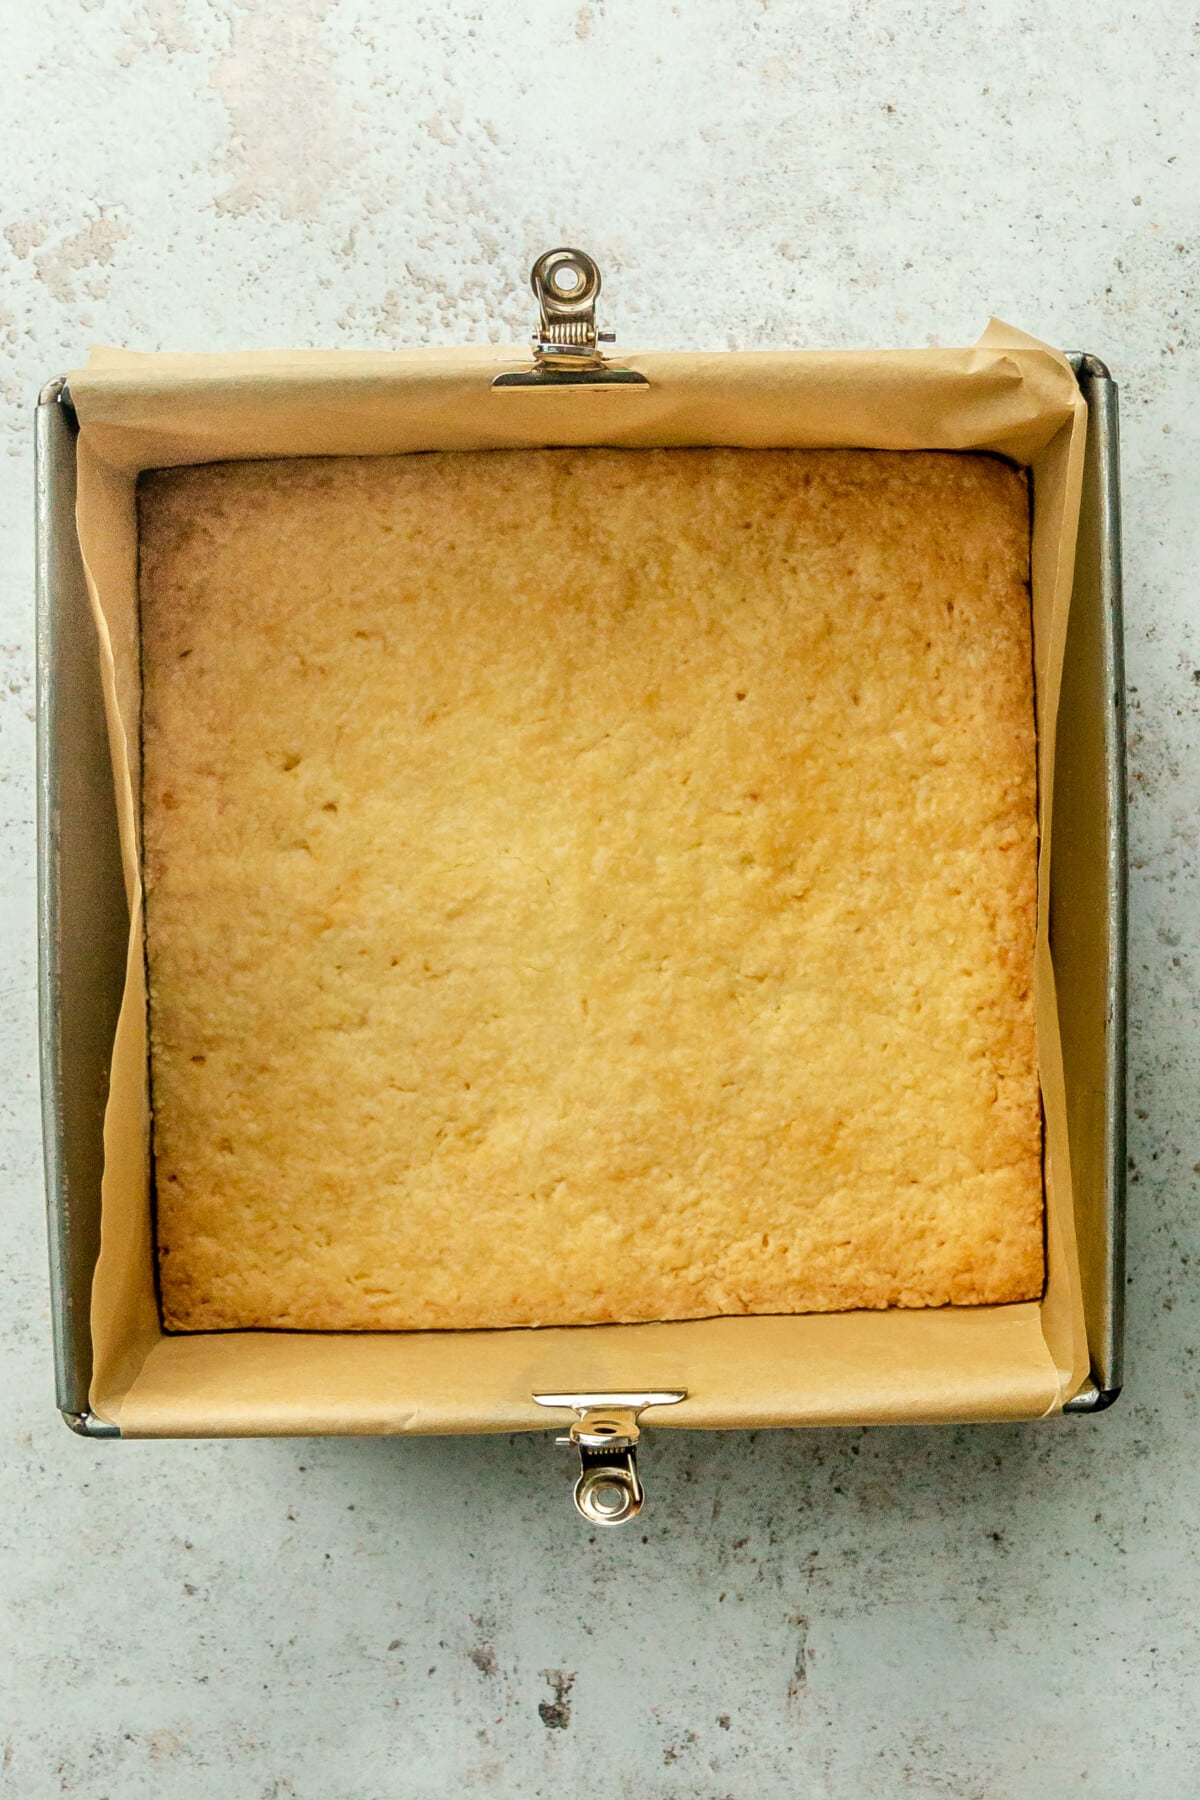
x,y
605,1433
566,343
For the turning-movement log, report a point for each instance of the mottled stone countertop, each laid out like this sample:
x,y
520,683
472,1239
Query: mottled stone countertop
x,y
977,1612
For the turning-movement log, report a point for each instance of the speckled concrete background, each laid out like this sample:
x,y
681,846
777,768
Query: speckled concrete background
x,y
982,1612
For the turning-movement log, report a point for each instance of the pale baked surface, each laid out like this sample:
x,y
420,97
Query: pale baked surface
x,y
589,885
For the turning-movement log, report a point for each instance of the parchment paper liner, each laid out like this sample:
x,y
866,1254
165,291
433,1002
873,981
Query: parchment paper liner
x,y
1008,394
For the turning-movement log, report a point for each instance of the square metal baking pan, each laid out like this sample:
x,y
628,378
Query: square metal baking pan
x,y
83,919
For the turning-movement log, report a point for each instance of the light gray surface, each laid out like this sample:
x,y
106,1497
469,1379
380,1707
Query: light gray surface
x,y
977,1612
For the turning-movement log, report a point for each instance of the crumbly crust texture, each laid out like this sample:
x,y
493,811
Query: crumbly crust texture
x,y
589,885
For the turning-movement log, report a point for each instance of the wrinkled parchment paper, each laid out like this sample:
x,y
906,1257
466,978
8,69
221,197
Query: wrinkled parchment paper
x,y
1008,394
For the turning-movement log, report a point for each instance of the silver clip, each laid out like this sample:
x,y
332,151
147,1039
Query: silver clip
x,y
566,342
605,1432
566,284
